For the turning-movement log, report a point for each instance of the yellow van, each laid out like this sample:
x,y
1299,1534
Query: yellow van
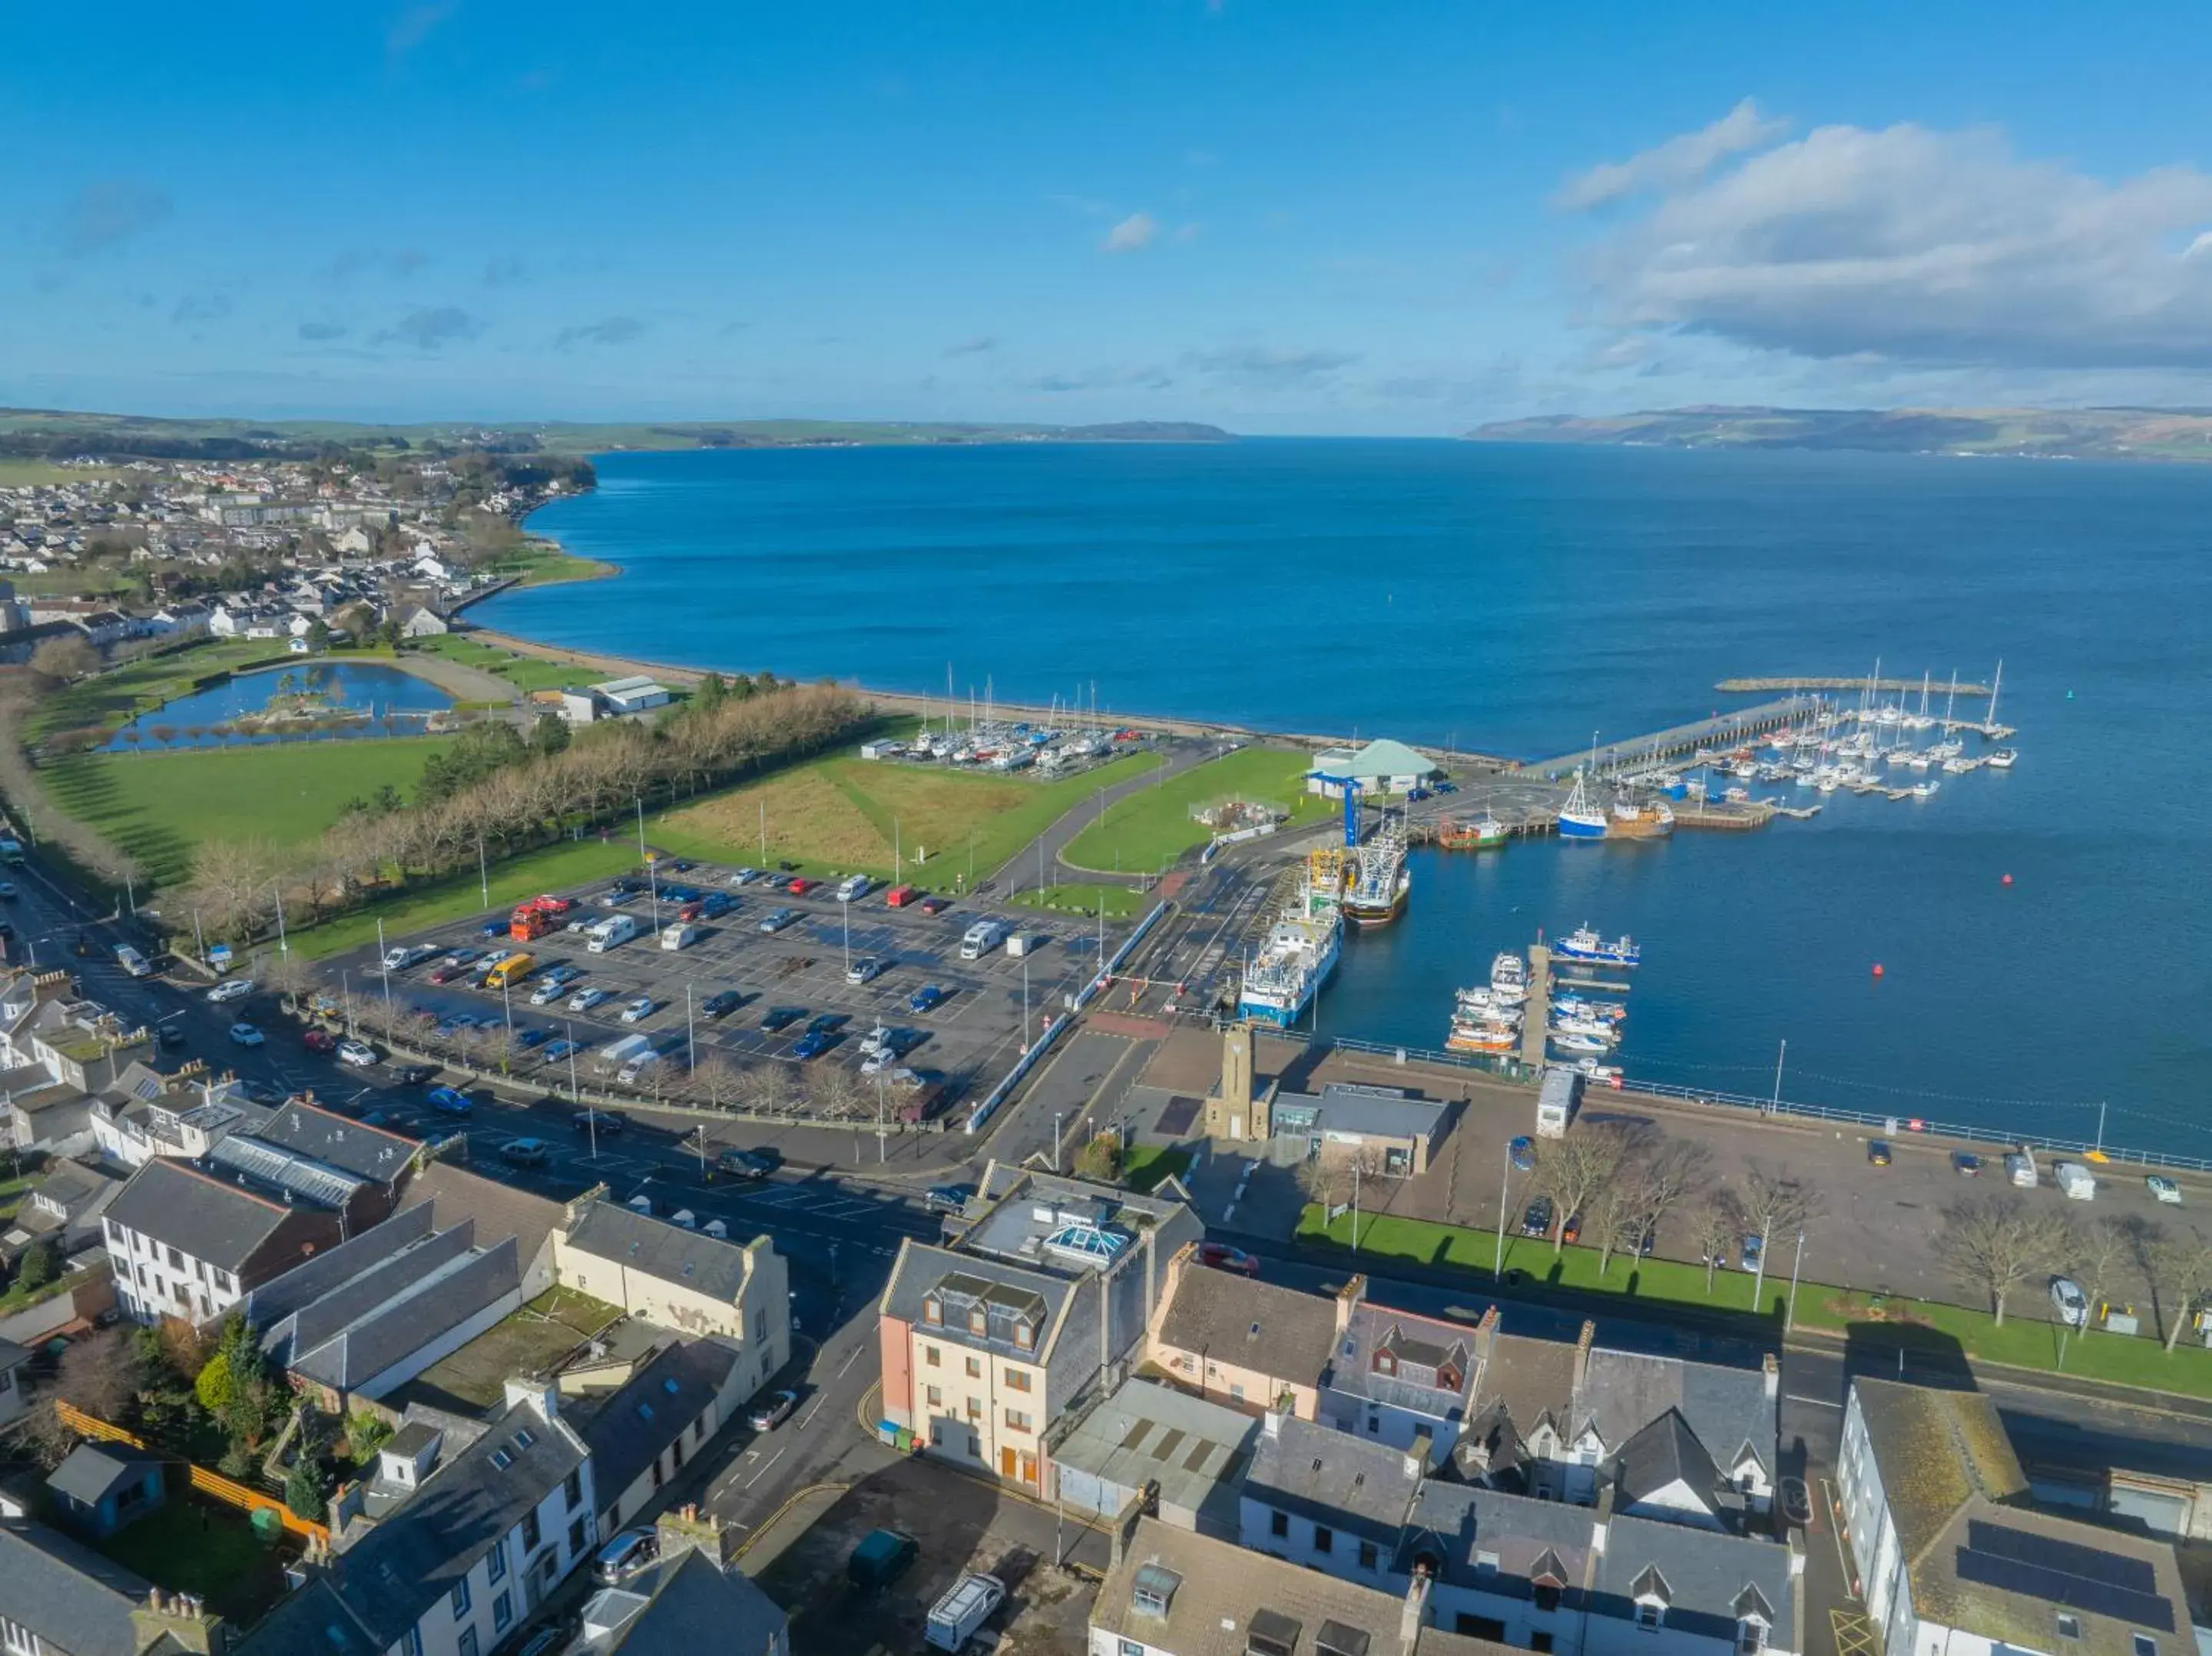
x,y
509,971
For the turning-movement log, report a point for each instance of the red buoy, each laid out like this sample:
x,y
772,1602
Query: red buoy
x,y
1877,968
2007,880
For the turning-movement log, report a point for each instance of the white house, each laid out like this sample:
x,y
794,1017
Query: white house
x,y
632,695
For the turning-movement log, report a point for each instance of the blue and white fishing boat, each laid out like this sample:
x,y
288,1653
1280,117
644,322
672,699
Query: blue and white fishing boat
x,y
1285,974
1579,818
1585,945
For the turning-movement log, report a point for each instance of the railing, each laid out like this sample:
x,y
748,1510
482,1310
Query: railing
x,y
227,1490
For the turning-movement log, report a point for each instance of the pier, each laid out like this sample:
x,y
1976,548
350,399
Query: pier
x,y
1879,687
1724,730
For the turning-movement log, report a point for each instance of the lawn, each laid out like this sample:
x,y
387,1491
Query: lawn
x,y
159,807
198,1546
433,903
29,473
524,1343
542,564
1152,827
2022,1343
843,815
1120,903
112,699
526,673
1147,1165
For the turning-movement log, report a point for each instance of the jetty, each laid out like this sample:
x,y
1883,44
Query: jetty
x,y
1722,730
1878,686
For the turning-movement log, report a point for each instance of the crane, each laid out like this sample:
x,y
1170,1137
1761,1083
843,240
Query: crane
x,y
1350,789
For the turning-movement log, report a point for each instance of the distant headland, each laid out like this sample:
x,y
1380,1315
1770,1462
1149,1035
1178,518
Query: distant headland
x,y
2143,434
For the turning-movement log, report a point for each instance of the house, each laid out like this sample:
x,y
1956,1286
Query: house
x,y
1391,1132
1042,1295
1170,1593
1952,1559
681,1280
1253,1345
691,1598
59,1597
380,1160
354,542
641,1436
148,1114
185,1244
632,695
101,1488
64,1208
421,621
453,1543
14,1398
358,1321
1381,767
497,1210
1400,1379
1327,1501
1185,1455
576,706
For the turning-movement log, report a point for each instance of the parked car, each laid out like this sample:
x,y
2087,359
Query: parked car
x,y
231,989
827,1023
1572,1230
2164,1189
1537,1221
1878,1151
800,886
1965,1164
625,1556
1755,1249
398,959
412,1074
639,1009
556,1050
947,1198
721,1003
865,970
2070,1302
1221,1256
447,1102
715,905
813,1043
360,1054
777,919
1797,1501
899,896
246,1034
172,1036
927,998
782,1017
1523,1152
749,1164
523,1152
530,1039
598,1121
743,876
585,999
881,1558
772,1411
934,904
319,1039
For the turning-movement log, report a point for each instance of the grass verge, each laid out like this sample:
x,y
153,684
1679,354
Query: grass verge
x,y
524,672
1147,1165
1120,903
1153,827
456,896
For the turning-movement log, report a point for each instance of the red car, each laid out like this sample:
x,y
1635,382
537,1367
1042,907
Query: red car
x,y
1222,1256
800,886
691,911
319,1040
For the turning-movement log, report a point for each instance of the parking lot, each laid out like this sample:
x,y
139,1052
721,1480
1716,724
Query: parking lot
x,y
792,983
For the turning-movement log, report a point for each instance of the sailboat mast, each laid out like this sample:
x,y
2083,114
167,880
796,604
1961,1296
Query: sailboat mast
x,y
1996,685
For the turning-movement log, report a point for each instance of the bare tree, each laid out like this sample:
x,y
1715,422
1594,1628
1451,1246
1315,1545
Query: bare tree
x,y
1715,1223
291,976
1571,1171
2180,1271
1339,1173
2094,1254
1775,1204
1995,1243
68,656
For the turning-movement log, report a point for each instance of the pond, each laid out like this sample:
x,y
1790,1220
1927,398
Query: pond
x,y
318,700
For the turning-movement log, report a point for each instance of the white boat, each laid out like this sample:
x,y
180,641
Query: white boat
x,y
1579,818
1485,1003
1576,1042
1282,978
1924,790
1585,945
1508,979
1596,1028
1958,764
1922,759
1574,1004
2001,759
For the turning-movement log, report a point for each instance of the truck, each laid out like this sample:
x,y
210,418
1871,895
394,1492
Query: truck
x,y
530,922
616,1054
965,1607
681,936
510,971
610,933
981,938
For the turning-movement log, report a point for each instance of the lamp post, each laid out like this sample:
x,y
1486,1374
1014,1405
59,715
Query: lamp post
x,y
591,1116
1504,1179
282,946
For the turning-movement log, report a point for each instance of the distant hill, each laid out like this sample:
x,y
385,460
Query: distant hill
x,y
2162,433
58,434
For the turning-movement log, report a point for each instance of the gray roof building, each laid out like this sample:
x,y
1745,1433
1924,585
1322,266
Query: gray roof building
x,y
1708,1584
634,1426
690,1259
1731,1410
1345,1483
1263,1326
1401,1360
686,1603
92,1471
77,1602
1195,1452
201,1216
1495,1542
367,1152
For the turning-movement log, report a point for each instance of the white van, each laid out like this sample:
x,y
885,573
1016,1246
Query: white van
x,y
981,938
854,887
2074,1181
682,935
2020,1168
616,1054
965,1607
610,933
132,962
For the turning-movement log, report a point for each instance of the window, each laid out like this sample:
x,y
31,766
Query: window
x,y
975,1409
1016,1380
1374,1425
2070,1627
1648,1614
1367,1554
1486,1561
1750,1637
979,1320
2145,1645
1447,1378
1324,1540
1018,1420
933,1312
1131,1647
496,1561
936,1396
1024,1337
413,1642
572,1488
1278,1524
575,1537
460,1598
530,1533
1385,1363
468,1642
932,1356
975,1368
502,1612
1549,1595
176,1260
1540,1642
1481,1627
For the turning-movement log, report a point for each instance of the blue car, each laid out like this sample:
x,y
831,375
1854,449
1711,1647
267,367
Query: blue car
x,y
447,1102
814,1046
527,1038
1523,1152
927,998
494,928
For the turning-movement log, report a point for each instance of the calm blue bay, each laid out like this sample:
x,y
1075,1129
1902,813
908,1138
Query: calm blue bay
x,y
1514,599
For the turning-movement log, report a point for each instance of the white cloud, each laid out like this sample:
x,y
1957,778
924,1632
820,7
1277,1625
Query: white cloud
x,y
1131,233
1911,246
1683,159
1261,365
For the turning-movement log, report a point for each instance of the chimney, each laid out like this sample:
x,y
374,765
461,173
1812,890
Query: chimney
x,y
581,1205
181,1619
1415,1614
692,1528
1347,1301
1274,1421
1582,1354
1773,1368
1486,1337
538,1393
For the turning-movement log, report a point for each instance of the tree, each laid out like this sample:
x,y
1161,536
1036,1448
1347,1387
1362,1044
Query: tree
x,y
212,1385
1775,1204
549,735
307,1486
1099,1160
1715,1222
1995,1243
58,660
1337,1173
1572,1170
2094,1253
2180,1270
319,634
38,1267
713,691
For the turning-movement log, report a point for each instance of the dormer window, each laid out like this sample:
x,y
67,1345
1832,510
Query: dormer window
x,y
979,1320
1750,1637
933,1312
1447,1378
1649,1614
1154,1590
1025,1336
1385,1363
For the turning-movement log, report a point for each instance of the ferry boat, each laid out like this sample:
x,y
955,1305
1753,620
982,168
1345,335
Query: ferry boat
x,y
1282,978
1653,821
1578,817
1380,882
1584,944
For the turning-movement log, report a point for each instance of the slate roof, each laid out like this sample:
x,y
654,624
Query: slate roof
x,y
1314,1471
922,1268
1624,1392
683,1603
688,1259
417,1312
1265,1326
498,1209
1935,1450
1450,1524
634,1426
1664,1454
92,1471
1704,1574
1352,1368
369,1152
199,1215
269,1305
1372,1111
69,1595
1533,1379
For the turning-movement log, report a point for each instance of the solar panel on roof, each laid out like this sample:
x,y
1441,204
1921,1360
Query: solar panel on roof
x,y
2067,1557
2053,1586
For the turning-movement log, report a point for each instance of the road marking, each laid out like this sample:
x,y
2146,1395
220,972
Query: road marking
x,y
807,1419
1817,1403
1854,1634
763,1472
854,1356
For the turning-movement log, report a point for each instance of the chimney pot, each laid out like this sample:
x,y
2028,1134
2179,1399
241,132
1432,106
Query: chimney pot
x,y
1773,1371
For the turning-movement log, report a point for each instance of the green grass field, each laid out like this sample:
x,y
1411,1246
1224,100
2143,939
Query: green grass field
x,y
1120,903
1151,829
1147,1165
843,815
434,902
158,806
113,698
542,564
2022,1343
28,474
524,672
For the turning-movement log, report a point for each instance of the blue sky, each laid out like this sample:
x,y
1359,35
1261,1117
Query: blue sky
x,y
1281,217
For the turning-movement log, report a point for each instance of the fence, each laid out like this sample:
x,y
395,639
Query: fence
x,y
227,1490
